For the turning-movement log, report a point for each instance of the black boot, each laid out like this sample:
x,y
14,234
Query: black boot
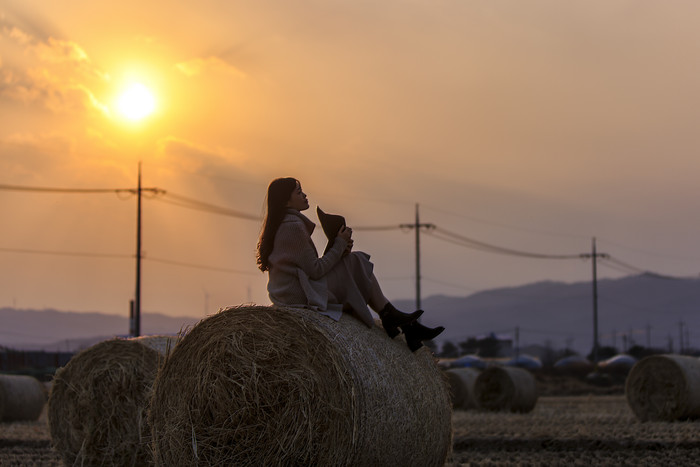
x,y
416,333
393,318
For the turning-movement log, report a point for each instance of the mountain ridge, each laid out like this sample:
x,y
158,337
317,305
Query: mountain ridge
x,y
642,309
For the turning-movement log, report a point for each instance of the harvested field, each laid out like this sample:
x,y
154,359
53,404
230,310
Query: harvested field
x,y
561,430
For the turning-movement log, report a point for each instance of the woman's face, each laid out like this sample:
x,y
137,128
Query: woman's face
x,y
298,199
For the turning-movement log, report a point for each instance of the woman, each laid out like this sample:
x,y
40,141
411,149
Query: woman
x,y
340,280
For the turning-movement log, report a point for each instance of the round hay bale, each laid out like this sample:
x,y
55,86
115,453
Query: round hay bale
x,y
22,398
505,388
664,388
255,385
462,387
98,402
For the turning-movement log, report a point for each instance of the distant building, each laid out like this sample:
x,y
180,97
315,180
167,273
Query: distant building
x,y
32,362
490,345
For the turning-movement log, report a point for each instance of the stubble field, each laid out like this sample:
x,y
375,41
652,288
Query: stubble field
x,y
561,430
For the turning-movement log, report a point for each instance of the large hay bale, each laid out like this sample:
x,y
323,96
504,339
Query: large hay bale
x,y
664,388
98,402
505,388
22,398
256,385
462,387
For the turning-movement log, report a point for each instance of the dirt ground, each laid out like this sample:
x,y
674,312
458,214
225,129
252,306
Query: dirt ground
x,y
572,430
562,430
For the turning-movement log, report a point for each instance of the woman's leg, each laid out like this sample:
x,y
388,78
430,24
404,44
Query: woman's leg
x,y
377,301
354,284
415,332
391,317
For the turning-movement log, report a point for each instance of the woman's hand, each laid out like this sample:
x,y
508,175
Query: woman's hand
x,y
346,234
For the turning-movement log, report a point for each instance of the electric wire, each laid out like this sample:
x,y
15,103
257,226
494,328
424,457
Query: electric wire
x,y
624,267
194,204
198,205
198,266
155,191
458,239
502,225
640,250
377,228
64,253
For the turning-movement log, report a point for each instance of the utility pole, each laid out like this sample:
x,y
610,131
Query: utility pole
x,y
136,307
594,260
417,226
137,295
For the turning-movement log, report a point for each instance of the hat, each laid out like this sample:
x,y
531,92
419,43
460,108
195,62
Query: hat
x,y
331,224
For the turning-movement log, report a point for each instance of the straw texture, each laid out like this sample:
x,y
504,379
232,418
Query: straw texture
x,y
98,402
462,387
664,388
505,389
22,398
256,385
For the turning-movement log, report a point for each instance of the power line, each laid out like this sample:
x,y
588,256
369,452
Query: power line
x,y
203,206
65,253
684,258
122,256
78,190
197,205
505,226
378,228
461,240
607,260
621,266
62,190
198,266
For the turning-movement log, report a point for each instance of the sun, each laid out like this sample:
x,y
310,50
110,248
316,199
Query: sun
x,y
136,102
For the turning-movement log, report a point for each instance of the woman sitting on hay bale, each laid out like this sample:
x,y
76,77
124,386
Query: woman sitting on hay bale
x,y
340,280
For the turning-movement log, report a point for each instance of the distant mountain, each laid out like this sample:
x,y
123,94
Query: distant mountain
x,y
54,330
643,309
630,310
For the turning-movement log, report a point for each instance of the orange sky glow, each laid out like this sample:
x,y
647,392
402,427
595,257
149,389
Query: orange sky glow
x,y
530,125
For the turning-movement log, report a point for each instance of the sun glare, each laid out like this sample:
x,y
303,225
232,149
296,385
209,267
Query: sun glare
x,y
136,102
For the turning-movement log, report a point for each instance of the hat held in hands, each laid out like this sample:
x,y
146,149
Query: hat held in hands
x,y
331,224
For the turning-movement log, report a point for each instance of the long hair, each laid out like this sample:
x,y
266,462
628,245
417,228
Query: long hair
x,y
278,193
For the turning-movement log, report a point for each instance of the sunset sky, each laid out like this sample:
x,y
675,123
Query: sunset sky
x,y
528,125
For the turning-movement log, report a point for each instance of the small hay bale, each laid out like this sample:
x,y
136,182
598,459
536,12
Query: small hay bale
x,y
255,385
505,389
664,388
98,402
22,398
462,387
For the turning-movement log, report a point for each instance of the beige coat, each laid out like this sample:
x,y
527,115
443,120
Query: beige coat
x,y
297,274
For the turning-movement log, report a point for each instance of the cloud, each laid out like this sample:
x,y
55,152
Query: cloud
x,y
200,66
216,162
47,49
26,157
58,51
192,156
58,75
50,90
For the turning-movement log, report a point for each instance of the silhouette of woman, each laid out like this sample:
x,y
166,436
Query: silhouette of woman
x,y
340,280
